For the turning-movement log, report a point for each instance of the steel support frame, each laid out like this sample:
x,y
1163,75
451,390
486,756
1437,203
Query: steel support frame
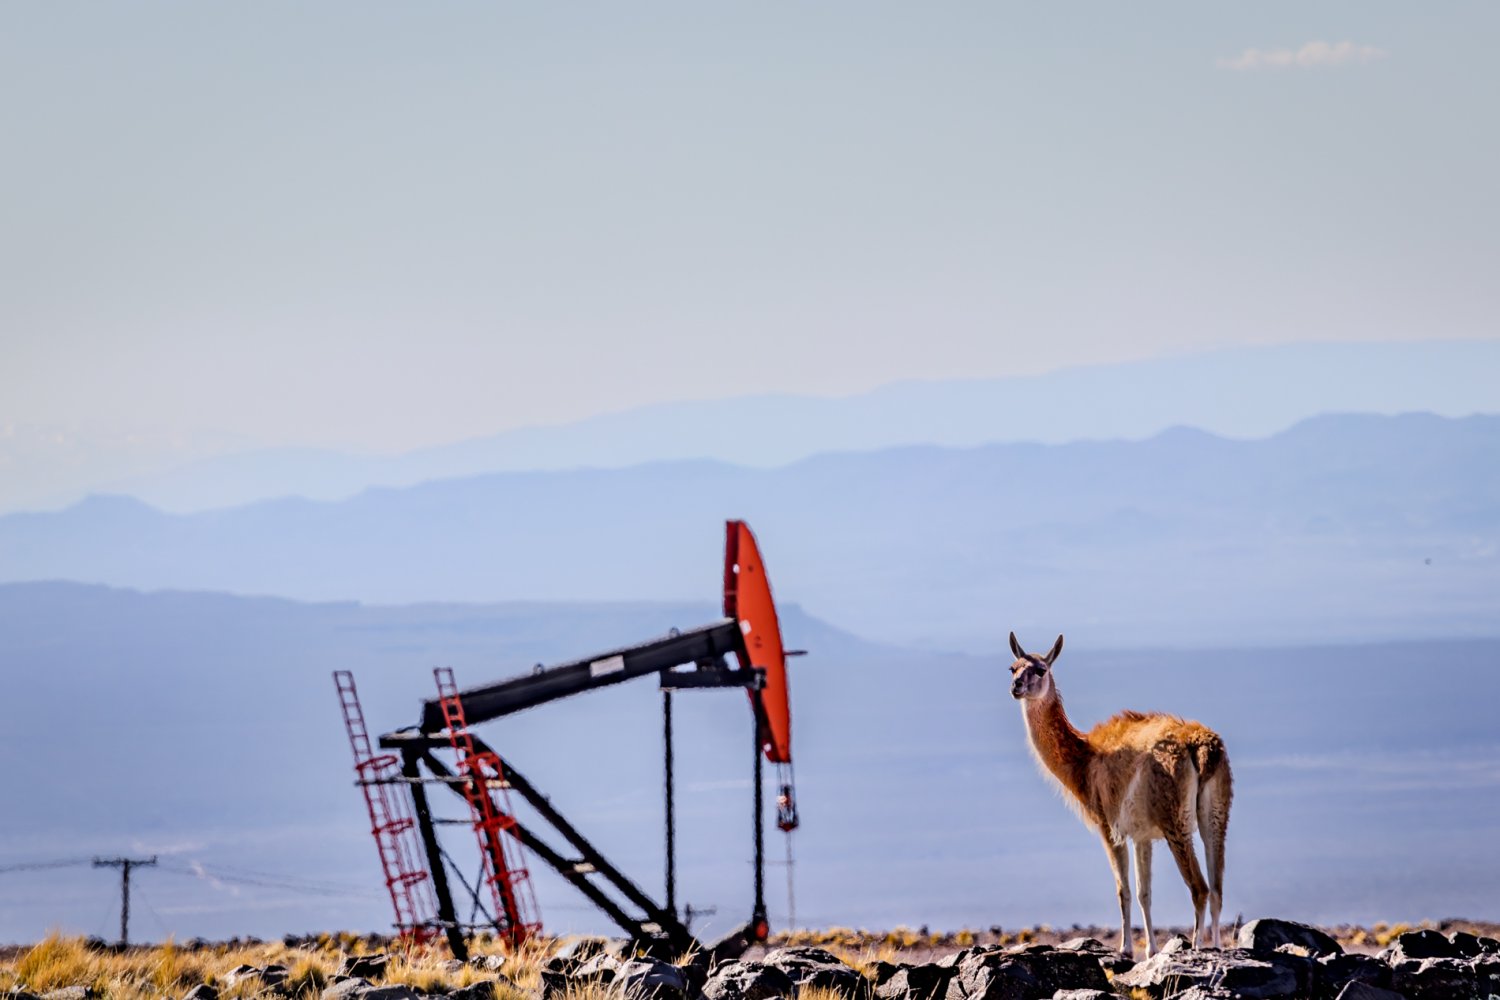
x,y
447,917
657,926
654,925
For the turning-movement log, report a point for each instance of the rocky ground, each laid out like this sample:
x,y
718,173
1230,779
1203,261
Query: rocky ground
x,y
1269,959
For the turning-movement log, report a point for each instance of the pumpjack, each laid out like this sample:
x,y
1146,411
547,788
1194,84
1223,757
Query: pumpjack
x,y
443,751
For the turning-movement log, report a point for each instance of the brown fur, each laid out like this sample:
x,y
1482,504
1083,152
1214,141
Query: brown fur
x,y
1139,777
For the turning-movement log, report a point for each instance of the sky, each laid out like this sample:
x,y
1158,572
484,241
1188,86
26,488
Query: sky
x,y
378,226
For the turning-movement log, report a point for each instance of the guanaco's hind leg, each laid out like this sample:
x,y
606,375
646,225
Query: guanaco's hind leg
x,y
1213,824
1119,862
1187,863
1143,890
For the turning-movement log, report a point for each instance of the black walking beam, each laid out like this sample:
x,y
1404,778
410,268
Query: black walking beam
x,y
707,644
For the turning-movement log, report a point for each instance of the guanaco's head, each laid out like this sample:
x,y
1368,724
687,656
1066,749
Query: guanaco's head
x,y
1031,675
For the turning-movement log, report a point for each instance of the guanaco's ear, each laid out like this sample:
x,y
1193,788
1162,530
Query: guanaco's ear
x,y
1015,647
1056,648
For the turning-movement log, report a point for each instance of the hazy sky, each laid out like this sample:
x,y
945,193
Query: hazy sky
x,y
381,225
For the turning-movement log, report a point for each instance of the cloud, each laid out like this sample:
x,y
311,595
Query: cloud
x,y
199,871
1313,55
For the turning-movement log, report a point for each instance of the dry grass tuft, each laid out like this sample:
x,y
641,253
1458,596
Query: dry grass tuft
x,y
56,962
865,959
1386,933
170,971
420,975
309,974
591,991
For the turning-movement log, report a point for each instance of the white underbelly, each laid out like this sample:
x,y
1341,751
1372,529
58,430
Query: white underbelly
x,y
1134,817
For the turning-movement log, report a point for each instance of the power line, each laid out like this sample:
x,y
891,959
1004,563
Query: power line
x,y
33,866
166,931
262,880
311,883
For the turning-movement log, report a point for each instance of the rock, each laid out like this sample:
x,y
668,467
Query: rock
x,y
1332,973
728,948
1421,944
649,979
203,991
483,989
958,958
1364,991
271,975
348,988
392,992
748,981
1108,957
1174,944
70,993
1290,958
582,948
1489,945
240,972
1267,934
820,969
1487,974
913,982
562,975
1083,995
371,967
1240,972
695,973
1204,993
1091,946
1434,978
554,984
1467,945
1035,971
600,967
489,963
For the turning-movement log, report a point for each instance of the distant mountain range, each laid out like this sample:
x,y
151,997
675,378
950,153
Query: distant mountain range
x,y
1346,528
1244,393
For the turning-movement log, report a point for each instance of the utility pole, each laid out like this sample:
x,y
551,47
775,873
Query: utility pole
x,y
125,864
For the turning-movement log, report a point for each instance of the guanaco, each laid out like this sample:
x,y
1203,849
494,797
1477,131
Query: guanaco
x,y
1141,777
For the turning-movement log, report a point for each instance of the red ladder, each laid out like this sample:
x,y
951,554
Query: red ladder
x,y
406,877
494,823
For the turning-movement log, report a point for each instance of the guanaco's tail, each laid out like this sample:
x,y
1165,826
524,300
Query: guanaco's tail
x,y
1215,793
1209,756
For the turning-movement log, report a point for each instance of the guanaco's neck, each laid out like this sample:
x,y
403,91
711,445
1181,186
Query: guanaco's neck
x,y
1061,748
